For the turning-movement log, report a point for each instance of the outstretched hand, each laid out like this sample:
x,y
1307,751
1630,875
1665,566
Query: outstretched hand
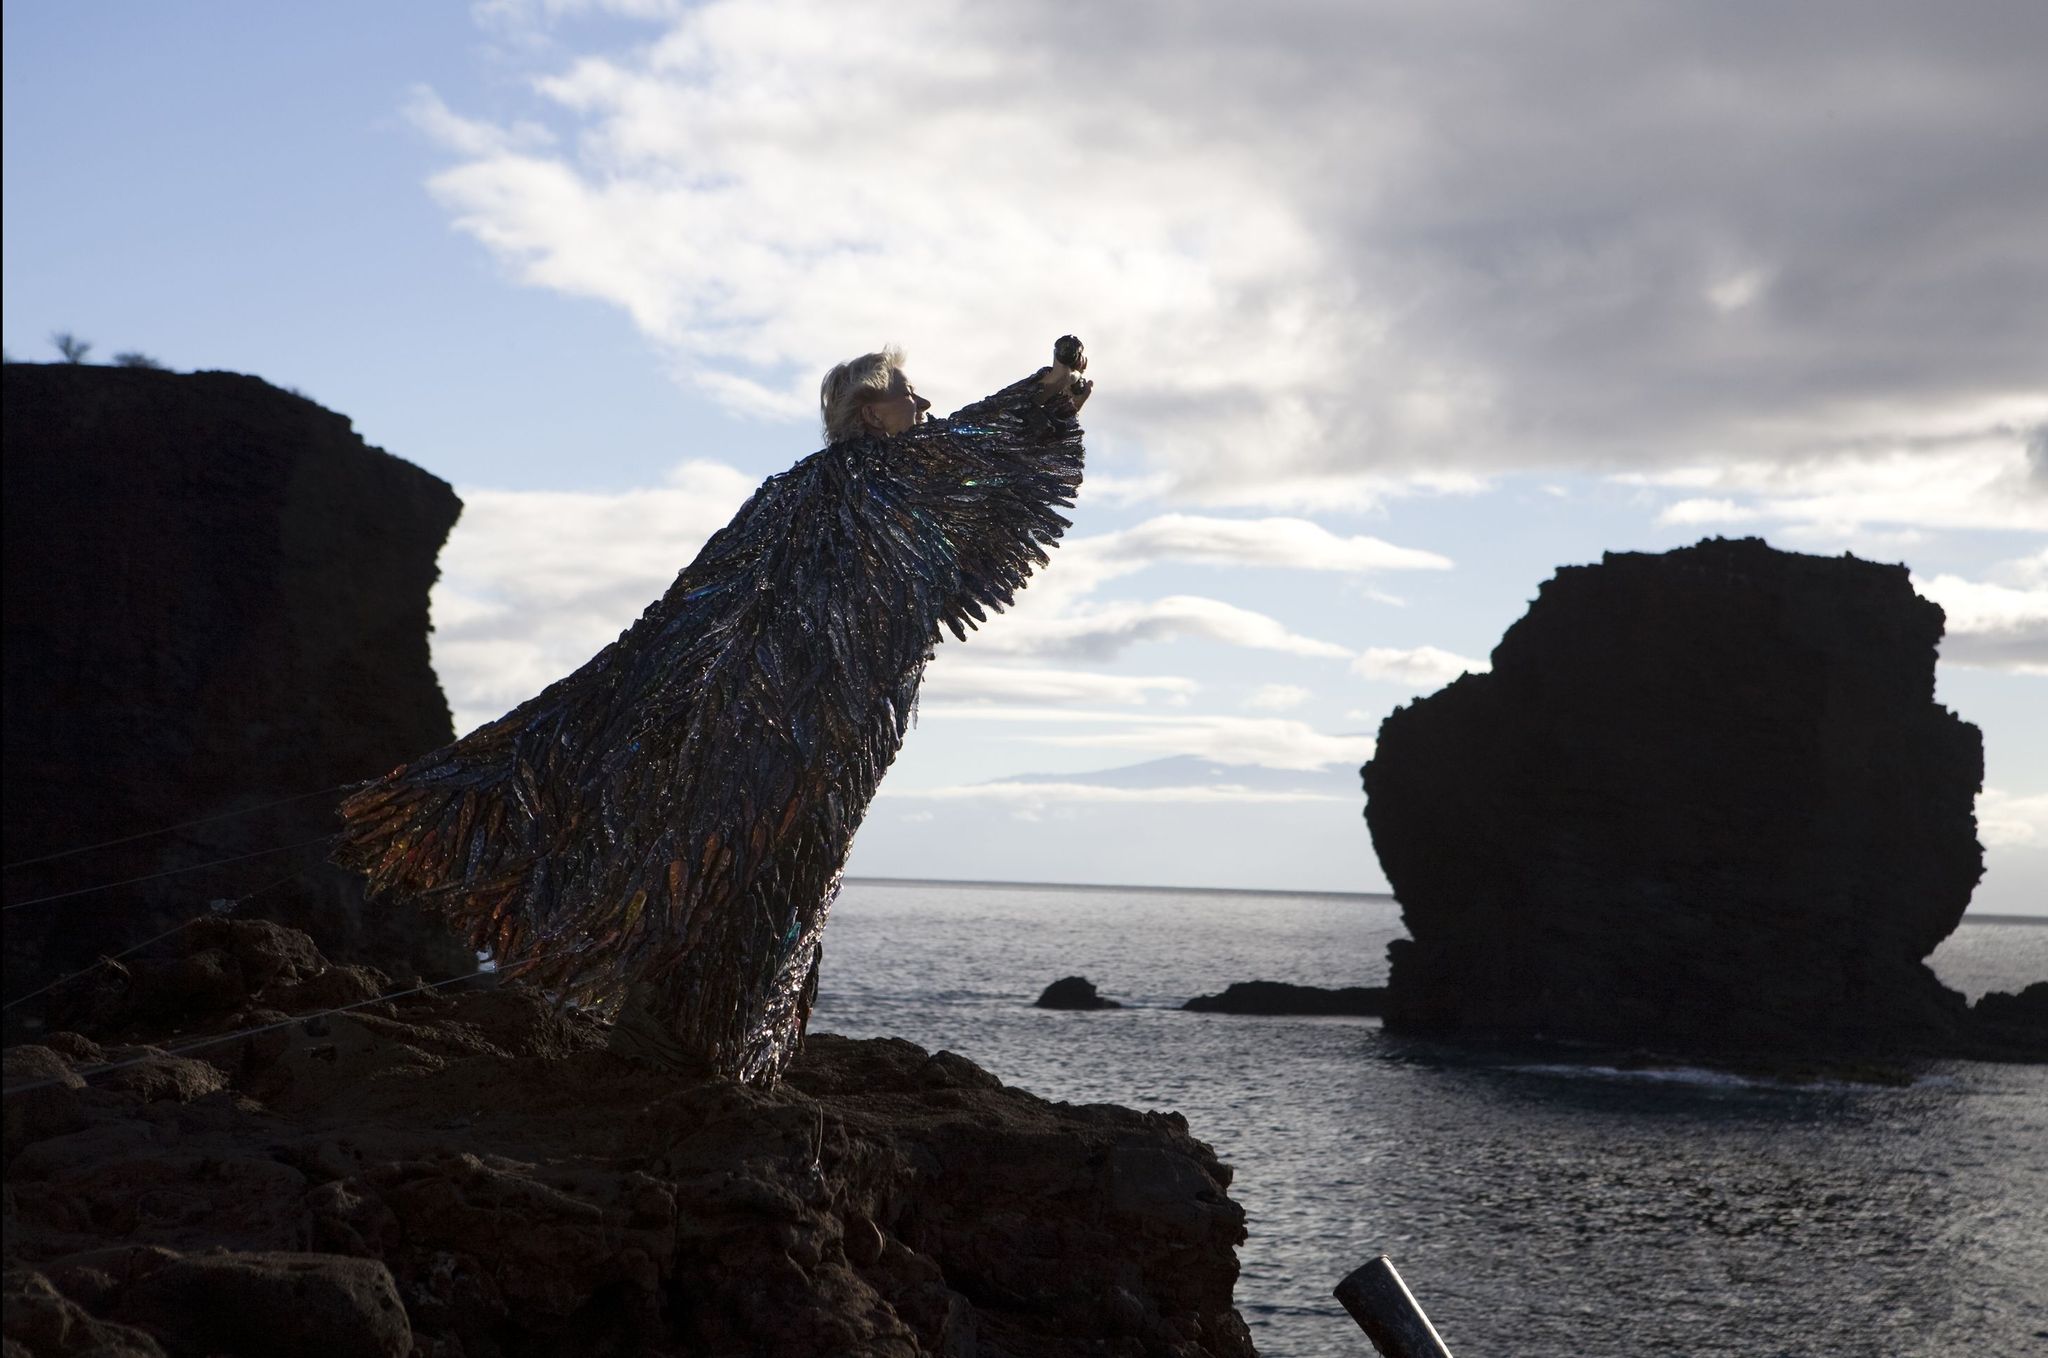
x,y
1069,361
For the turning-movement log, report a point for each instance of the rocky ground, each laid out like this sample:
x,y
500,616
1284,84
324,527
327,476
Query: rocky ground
x,y
465,1173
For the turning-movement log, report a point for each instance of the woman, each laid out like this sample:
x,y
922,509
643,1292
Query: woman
x,y
663,831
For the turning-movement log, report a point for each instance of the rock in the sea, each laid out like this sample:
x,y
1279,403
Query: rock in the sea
x,y
1073,992
481,1160
216,597
2011,1026
1278,997
1703,799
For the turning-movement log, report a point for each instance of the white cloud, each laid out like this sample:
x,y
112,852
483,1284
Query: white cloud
x,y
1687,512
533,583
1420,667
1086,563
1037,795
1317,244
1736,291
2026,572
468,136
1296,544
952,679
1991,626
1277,697
1940,478
1102,631
1274,742
2005,819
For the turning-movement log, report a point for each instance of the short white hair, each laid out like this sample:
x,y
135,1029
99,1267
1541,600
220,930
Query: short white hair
x,y
851,385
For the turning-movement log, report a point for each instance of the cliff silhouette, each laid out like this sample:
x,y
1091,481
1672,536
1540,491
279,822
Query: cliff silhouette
x,y
216,598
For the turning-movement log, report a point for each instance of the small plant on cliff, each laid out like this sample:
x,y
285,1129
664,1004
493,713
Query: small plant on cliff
x,y
71,346
133,359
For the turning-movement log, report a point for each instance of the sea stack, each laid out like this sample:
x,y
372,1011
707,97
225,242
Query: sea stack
x,y
1705,799
216,598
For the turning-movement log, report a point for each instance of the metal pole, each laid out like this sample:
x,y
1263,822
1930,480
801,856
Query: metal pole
x,y
1388,1313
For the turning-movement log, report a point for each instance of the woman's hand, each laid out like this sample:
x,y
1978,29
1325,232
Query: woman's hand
x,y
1063,378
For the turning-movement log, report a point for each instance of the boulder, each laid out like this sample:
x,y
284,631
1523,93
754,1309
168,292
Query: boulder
x,y
41,1322
216,598
1073,992
1278,997
1704,799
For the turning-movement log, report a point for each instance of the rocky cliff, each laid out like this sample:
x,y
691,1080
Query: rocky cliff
x,y
1704,798
463,1175
216,597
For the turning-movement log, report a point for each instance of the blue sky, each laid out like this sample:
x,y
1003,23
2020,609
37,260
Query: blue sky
x,y
1394,309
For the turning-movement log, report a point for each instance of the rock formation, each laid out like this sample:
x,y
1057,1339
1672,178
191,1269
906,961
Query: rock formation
x,y
216,597
1278,997
2005,1026
1073,992
1704,799
471,1173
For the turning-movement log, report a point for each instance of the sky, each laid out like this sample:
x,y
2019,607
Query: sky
x,y
1393,309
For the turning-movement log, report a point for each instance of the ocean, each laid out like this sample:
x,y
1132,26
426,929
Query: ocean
x,y
1537,1207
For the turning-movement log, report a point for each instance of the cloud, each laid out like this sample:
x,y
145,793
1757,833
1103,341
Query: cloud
x,y
1277,697
950,679
2005,820
1991,626
534,583
1685,513
1087,563
1316,245
1103,631
468,136
1296,544
1039,794
1420,667
1942,479
2027,572
1273,742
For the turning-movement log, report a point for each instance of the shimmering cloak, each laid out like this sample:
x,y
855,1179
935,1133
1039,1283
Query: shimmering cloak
x,y
673,817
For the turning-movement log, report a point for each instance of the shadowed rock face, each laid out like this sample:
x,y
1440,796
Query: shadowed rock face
x,y
473,1173
1704,798
216,596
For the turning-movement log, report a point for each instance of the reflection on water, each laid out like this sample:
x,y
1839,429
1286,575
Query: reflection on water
x,y
1536,1208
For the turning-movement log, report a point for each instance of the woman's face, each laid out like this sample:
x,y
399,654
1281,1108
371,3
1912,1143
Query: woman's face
x,y
897,411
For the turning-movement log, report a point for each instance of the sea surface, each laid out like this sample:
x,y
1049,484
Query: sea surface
x,y
1537,1207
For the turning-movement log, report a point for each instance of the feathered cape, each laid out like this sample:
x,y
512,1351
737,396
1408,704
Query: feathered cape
x,y
674,816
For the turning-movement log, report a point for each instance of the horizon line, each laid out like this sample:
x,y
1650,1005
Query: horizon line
x,y
1114,886
1988,917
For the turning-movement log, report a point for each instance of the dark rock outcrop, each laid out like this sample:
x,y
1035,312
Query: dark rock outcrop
x,y
1073,992
1278,997
2004,1026
482,1161
1704,799
216,597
